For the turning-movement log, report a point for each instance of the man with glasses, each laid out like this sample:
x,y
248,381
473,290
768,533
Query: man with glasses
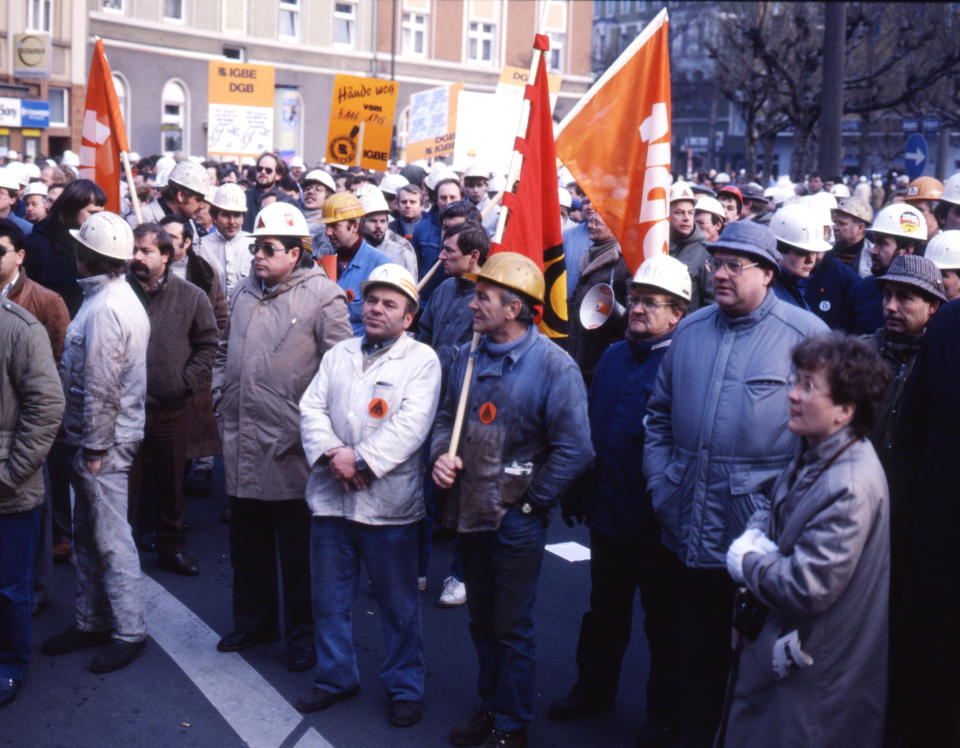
x,y
716,439
625,548
286,315
270,170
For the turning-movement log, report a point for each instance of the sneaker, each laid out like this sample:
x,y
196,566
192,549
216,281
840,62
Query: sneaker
x,y
474,731
115,655
73,639
421,583
454,593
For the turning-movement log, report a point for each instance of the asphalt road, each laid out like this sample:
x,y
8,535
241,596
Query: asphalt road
x,y
181,692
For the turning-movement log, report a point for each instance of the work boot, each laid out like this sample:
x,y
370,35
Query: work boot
x,y
73,639
116,655
506,739
474,731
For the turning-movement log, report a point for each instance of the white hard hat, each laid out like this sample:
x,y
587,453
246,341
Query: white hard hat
x,y
12,155
666,273
36,188
439,173
372,199
707,204
8,179
165,162
248,161
944,250
951,190
800,226
191,176
134,157
475,171
69,158
497,183
900,219
320,176
840,190
682,191
281,219
395,276
230,197
296,162
32,171
392,183
566,201
722,178
19,170
163,177
106,234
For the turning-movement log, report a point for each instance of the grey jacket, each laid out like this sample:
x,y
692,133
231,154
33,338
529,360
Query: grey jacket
x,y
400,251
104,366
716,435
829,582
384,411
32,407
269,354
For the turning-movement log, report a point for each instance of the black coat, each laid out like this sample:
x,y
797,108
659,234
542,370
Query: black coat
x,y
51,261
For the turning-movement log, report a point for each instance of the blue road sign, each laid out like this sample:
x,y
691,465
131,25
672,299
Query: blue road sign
x,y
915,155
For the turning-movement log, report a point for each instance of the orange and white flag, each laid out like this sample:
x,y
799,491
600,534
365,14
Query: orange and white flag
x,y
104,136
616,143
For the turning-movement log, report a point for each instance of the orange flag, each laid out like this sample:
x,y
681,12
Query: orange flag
x,y
616,143
104,136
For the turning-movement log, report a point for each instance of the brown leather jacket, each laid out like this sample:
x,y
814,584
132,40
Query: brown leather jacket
x,y
46,305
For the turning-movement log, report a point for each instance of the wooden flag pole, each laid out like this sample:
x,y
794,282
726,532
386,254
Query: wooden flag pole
x,y
516,163
131,187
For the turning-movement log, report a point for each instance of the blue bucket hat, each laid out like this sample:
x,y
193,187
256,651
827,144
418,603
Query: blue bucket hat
x,y
749,238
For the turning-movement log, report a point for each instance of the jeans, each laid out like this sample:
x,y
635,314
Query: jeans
x,y
618,567
260,532
19,534
109,596
389,553
501,569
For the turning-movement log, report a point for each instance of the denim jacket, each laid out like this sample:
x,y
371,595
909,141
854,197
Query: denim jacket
x,y
526,435
104,366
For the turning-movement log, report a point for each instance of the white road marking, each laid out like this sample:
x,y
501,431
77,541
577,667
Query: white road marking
x,y
570,551
250,705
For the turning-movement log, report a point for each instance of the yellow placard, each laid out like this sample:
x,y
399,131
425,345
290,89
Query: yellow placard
x,y
361,121
240,84
433,122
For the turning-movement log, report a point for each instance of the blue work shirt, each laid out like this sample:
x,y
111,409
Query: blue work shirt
x,y
350,278
427,241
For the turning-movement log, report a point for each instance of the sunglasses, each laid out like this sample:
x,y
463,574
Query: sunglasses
x,y
268,249
266,169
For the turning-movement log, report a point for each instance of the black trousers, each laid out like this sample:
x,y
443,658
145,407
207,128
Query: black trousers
x,y
260,531
618,568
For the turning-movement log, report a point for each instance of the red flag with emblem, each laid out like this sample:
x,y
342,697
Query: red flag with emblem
x,y
533,226
104,135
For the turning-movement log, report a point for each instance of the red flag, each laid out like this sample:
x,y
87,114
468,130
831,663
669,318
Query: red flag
x,y
533,224
616,143
104,136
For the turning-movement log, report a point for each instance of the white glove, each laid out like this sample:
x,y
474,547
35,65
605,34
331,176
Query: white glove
x,y
788,655
751,541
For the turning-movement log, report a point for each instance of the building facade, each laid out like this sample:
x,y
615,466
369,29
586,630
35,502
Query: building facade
x,y
160,50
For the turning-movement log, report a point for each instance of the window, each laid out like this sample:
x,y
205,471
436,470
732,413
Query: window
x,y
59,107
114,5
482,39
344,24
173,120
555,55
235,53
413,39
39,14
173,10
123,96
289,19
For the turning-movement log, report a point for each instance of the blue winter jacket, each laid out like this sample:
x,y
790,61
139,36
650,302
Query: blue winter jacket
x,y
864,311
427,241
828,289
716,427
615,499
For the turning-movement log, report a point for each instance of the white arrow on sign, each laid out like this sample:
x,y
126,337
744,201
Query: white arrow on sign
x,y
917,156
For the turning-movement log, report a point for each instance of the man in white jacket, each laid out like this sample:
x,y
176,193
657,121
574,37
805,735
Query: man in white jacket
x,y
363,419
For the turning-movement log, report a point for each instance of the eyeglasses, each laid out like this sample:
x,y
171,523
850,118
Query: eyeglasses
x,y
268,249
265,169
734,267
645,302
313,187
806,386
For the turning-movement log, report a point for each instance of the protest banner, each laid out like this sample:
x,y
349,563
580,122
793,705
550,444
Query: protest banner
x,y
361,122
240,109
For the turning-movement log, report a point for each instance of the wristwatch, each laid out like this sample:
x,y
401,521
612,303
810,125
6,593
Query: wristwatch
x,y
363,468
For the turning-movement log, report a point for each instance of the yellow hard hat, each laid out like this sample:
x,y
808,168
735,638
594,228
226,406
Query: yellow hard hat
x,y
513,271
341,206
924,188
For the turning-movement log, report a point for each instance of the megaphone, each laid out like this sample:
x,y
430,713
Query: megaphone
x,y
600,308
